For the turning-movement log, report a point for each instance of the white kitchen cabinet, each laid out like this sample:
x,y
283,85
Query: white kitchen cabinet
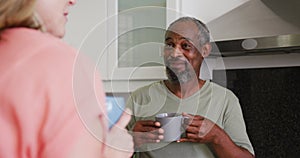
x,y
135,37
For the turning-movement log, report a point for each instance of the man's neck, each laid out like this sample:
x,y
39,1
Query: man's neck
x,y
184,90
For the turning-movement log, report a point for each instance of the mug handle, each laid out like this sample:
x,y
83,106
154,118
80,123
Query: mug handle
x,y
183,133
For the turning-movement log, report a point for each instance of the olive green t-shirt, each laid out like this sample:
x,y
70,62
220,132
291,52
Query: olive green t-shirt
x,y
212,101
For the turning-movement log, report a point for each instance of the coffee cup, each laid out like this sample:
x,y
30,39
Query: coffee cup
x,y
172,124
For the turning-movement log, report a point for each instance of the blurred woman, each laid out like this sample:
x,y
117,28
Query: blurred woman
x,y
47,107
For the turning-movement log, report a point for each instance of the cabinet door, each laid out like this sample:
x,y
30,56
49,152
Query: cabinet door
x,y
135,37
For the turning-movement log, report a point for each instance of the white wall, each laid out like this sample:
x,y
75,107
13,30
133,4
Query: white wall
x,y
82,18
86,31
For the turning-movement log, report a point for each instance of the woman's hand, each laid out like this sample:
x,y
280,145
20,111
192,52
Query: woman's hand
x,y
119,142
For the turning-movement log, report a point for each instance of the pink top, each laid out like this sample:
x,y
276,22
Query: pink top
x,y
41,97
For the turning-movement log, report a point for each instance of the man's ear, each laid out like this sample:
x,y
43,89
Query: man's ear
x,y
206,49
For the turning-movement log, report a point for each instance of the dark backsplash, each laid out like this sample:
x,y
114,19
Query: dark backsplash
x,y
270,100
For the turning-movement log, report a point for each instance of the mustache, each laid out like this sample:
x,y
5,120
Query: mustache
x,y
175,59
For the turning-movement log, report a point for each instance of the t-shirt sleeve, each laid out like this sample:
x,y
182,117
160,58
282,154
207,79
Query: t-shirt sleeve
x,y
234,124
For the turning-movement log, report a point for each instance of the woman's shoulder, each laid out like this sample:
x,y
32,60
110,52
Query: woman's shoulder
x,y
32,40
36,51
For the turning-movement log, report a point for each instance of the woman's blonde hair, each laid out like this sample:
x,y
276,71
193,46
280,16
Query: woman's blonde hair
x,y
18,13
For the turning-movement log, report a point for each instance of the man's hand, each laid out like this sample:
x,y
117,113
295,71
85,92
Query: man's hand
x,y
147,131
200,129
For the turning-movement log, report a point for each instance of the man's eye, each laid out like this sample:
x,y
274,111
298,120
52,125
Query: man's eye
x,y
168,45
186,46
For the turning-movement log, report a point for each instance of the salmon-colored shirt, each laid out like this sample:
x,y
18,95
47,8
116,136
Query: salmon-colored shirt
x,y
48,106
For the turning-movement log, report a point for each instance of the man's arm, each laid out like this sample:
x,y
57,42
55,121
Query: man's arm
x,y
224,147
202,130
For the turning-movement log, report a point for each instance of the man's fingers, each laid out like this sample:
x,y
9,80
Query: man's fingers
x,y
149,129
192,136
193,117
146,137
195,123
192,129
151,136
150,123
186,140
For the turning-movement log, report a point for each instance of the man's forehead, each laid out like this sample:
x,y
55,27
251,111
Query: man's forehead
x,y
183,30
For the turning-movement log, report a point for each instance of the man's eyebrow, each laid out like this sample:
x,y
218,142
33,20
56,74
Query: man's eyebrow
x,y
184,38
168,38
188,39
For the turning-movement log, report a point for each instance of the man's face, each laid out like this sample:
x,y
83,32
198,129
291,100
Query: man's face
x,y
181,53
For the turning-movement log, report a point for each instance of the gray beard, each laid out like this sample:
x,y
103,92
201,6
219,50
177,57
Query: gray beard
x,y
181,77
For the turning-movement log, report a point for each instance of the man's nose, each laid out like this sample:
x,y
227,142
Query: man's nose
x,y
176,52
